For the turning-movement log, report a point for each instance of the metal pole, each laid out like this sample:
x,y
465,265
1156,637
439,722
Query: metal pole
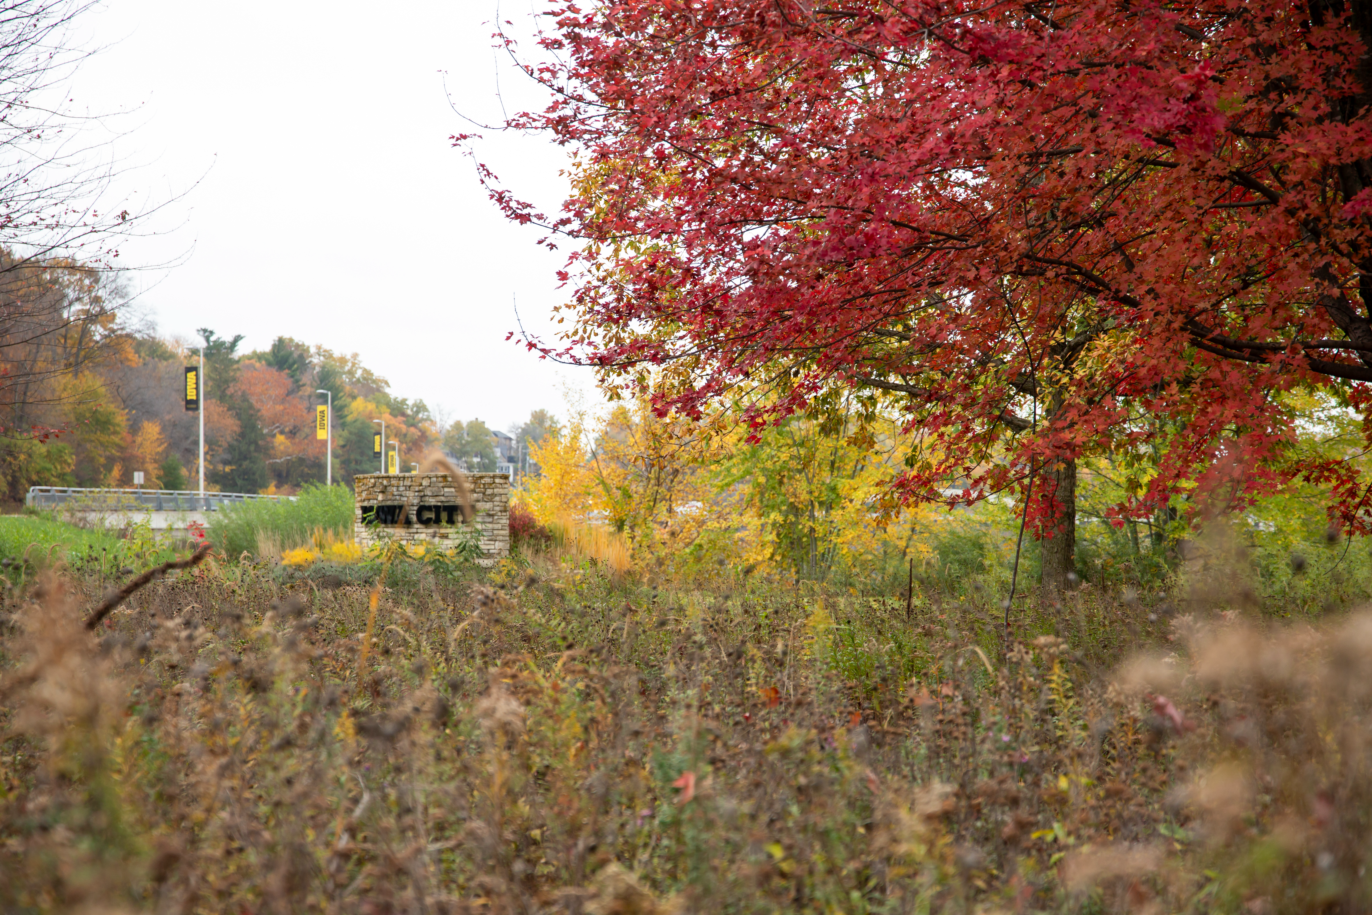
x,y
203,405
383,443
328,437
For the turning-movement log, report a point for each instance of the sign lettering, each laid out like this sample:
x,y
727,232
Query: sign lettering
x,y
193,389
321,422
390,462
393,514
385,514
376,444
438,514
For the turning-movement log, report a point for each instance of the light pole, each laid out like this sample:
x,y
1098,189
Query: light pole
x,y
328,437
395,461
382,449
200,383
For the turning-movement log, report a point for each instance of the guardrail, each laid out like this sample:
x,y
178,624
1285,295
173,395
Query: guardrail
x,y
158,500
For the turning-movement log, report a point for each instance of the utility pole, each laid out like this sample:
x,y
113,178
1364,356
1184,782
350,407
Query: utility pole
x,y
382,449
328,436
201,384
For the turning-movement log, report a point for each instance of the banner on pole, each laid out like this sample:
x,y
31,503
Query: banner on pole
x,y
321,422
376,444
391,462
193,389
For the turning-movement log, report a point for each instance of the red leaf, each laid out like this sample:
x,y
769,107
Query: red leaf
x,y
687,784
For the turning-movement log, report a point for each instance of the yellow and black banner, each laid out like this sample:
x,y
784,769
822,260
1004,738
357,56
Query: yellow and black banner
x,y
391,462
376,444
321,422
192,389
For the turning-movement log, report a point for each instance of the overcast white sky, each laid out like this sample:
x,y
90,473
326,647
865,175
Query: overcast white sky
x,y
320,197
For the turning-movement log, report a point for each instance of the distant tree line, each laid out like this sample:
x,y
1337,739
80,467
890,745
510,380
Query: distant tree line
x,y
90,398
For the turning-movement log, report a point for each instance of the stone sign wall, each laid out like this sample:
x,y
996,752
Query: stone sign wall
x,y
415,507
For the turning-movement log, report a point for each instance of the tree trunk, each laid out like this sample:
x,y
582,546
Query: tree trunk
x,y
1059,549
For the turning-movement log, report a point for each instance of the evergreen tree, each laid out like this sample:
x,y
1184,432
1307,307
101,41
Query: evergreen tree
x,y
243,467
290,356
173,474
352,435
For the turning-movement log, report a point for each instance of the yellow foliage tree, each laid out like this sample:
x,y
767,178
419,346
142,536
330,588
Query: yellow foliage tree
x,y
804,499
97,428
146,450
645,479
565,486
656,485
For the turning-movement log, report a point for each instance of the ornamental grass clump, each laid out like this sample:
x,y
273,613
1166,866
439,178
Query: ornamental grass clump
x,y
267,528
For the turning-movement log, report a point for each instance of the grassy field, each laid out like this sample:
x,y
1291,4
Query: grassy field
x,y
545,739
31,543
37,538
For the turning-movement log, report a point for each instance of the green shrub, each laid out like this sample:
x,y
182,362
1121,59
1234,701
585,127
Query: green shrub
x,y
1299,565
261,526
1113,557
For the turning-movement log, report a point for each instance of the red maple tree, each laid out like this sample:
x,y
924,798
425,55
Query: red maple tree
x,y
1055,228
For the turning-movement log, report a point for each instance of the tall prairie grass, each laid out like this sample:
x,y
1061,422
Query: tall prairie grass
x,y
267,528
35,539
227,742
577,540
